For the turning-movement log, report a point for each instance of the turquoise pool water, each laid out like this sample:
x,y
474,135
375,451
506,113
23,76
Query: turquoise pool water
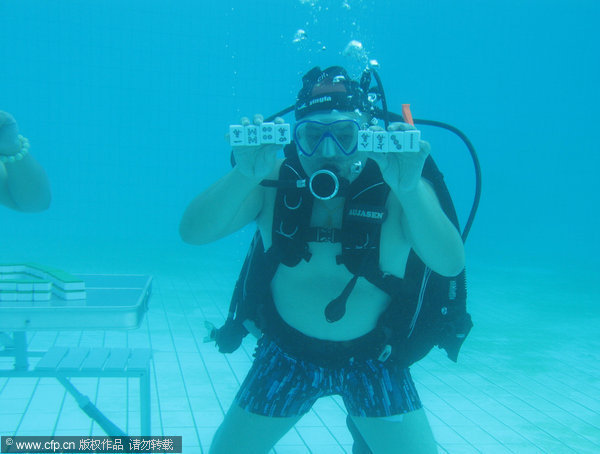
x,y
126,105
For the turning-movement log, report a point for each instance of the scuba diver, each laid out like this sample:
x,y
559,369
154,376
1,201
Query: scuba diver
x,y
337,285
23,182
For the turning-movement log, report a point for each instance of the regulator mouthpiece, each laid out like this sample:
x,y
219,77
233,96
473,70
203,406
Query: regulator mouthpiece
x,y
324,184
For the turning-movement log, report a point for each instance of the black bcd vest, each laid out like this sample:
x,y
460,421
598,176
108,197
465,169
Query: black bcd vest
x,y
426,309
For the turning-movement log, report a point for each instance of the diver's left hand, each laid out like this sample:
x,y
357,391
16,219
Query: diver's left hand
x,y
401,171
9,135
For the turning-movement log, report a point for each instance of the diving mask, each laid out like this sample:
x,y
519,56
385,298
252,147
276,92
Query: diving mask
x,y
309,135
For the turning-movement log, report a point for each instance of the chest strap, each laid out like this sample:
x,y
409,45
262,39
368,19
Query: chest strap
x,y
323,235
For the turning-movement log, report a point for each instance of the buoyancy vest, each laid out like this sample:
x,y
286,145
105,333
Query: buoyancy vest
x,y
426,309
363,215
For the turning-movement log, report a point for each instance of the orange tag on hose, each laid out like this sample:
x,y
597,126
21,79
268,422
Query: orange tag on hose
x,y
407,115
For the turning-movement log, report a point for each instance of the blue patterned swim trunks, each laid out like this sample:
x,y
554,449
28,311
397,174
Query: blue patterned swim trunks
x,y
282,385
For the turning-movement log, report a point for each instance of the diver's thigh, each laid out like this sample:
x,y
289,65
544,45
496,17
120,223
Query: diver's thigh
x,y
248,433
412,434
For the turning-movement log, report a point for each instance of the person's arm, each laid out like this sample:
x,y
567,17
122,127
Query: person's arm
x,y
24,185
431,234
233,201
433,237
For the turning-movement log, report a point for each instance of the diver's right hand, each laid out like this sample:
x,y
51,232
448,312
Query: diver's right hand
x,y
256,162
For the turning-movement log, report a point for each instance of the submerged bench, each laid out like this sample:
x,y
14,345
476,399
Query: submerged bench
x,y
64,363
110,302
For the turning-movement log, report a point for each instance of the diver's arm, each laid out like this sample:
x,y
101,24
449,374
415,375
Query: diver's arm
x,y
429,231
229,204
24,185
431,234
236,199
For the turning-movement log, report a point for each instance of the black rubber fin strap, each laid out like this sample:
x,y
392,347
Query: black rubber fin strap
x,y
336,309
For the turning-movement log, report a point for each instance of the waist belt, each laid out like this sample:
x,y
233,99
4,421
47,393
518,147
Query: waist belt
x,y
326,353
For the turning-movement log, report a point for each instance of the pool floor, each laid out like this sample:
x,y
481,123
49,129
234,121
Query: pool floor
x,y
527,380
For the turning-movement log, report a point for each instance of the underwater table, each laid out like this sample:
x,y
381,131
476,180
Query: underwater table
x,y
35,298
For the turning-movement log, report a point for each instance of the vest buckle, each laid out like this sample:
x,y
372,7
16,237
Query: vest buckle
x,y
385,353
325,235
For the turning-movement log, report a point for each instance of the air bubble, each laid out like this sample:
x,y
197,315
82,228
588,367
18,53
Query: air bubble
x,y
300,36
355,49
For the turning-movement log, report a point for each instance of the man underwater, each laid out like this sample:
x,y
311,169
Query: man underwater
x,y
340,248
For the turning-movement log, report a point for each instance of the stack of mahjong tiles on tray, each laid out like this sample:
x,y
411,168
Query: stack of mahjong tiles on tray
x,y
30,282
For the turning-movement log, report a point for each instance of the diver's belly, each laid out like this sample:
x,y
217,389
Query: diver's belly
x,y
302,293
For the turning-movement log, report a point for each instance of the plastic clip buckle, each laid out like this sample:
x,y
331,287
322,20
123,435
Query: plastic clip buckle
x,y
325,235
385,353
